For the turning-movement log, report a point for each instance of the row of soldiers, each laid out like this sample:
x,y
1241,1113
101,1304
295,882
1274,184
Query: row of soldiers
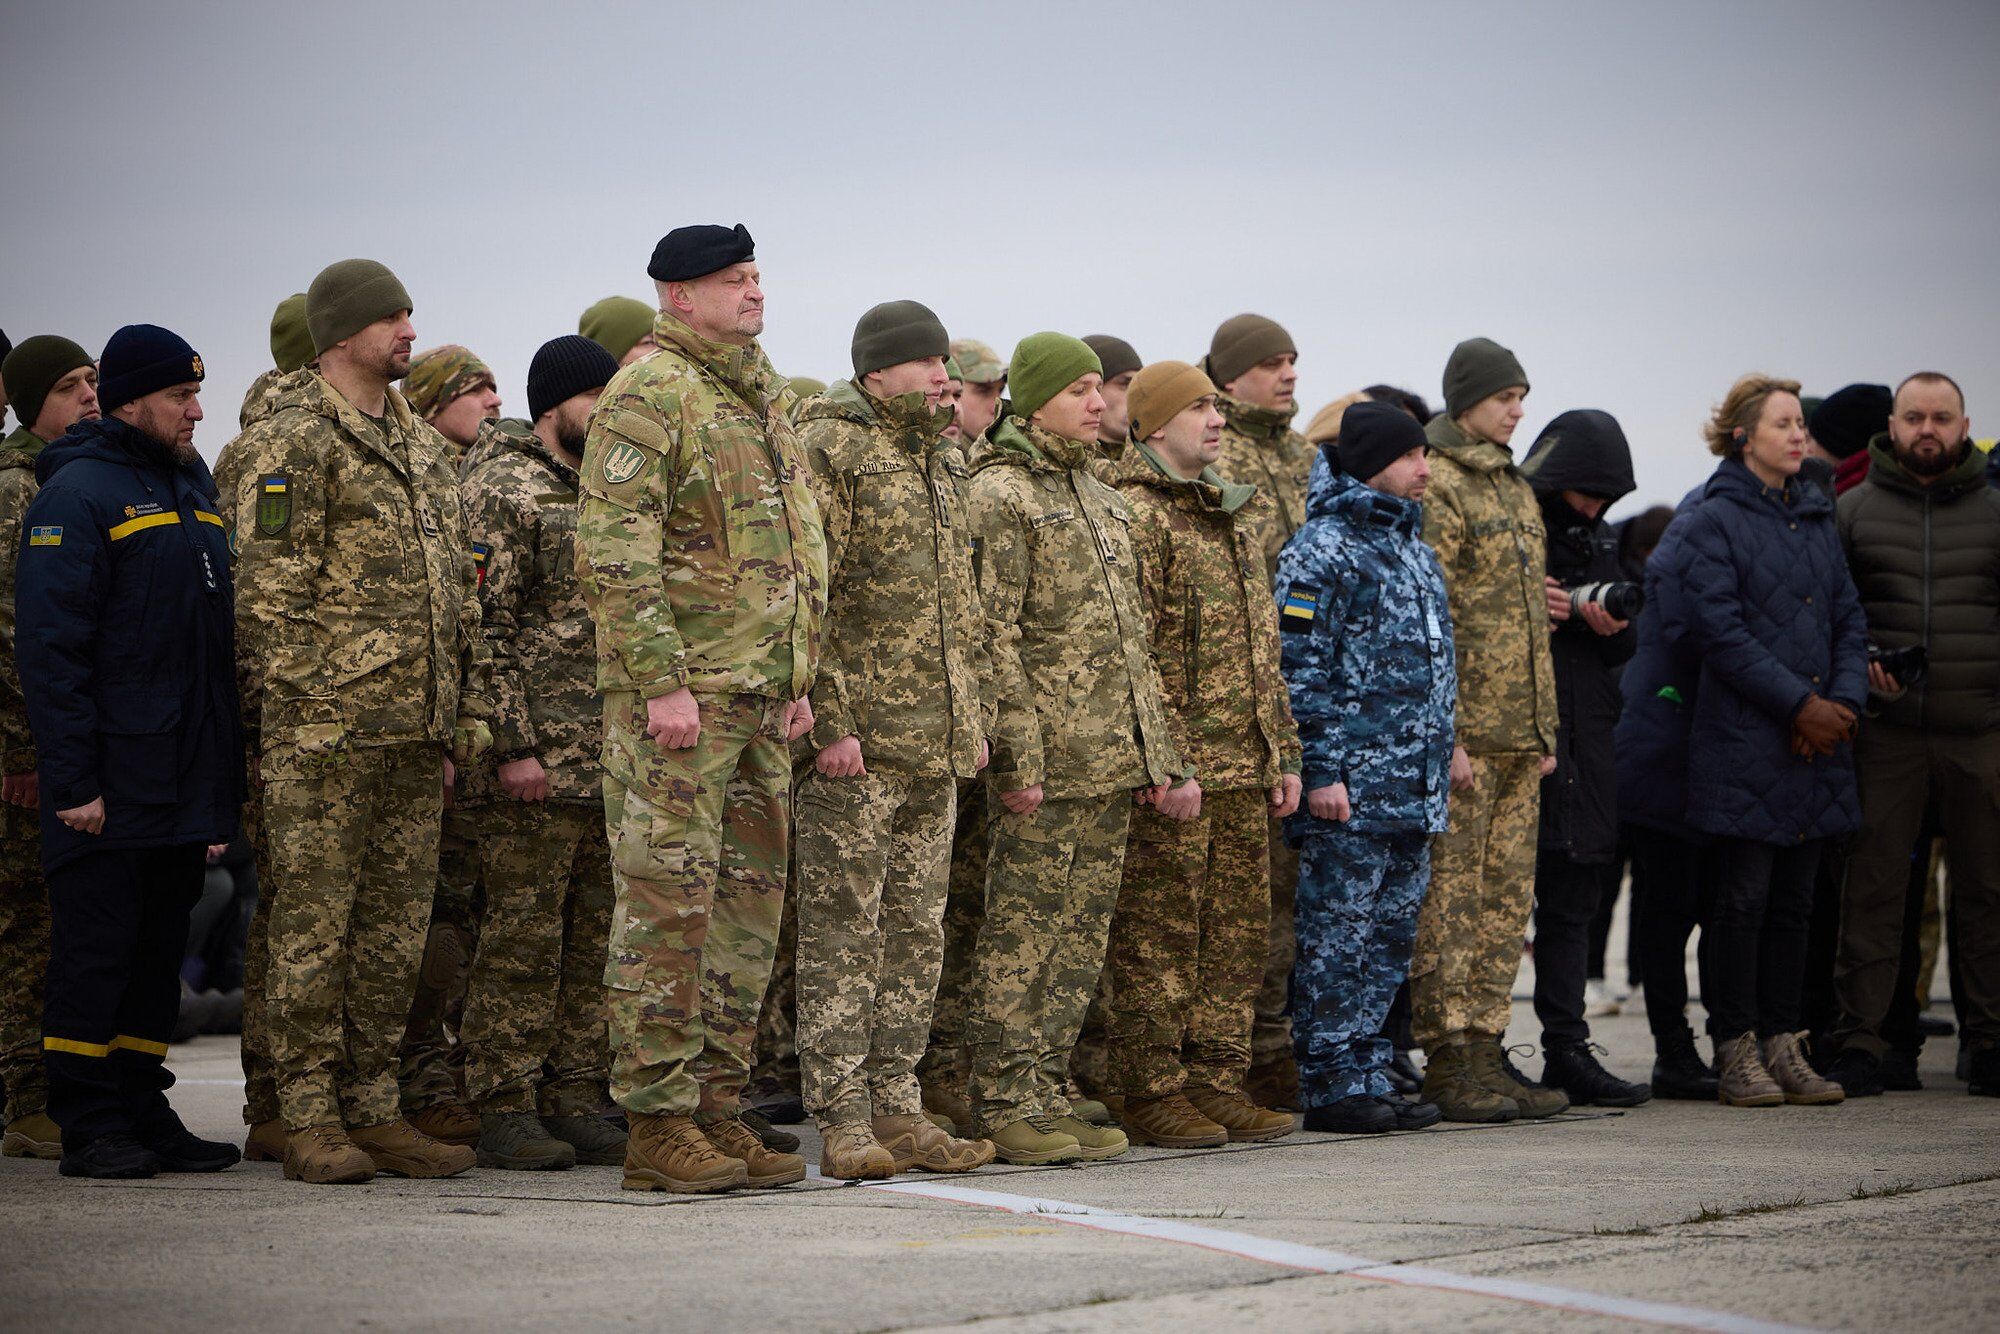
x,y
993,645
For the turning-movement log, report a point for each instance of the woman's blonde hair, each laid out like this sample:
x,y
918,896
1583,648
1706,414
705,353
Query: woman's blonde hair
x,y
1740,409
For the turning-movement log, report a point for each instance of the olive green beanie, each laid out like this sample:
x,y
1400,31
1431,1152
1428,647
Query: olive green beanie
x,y
617,323
1479,368
895,332
1116,355
32,370
291,341
348,296
1044,365
1240,342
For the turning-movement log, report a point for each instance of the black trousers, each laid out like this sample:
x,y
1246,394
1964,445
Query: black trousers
x,y
119,920
1757,954
1672,880
1566,898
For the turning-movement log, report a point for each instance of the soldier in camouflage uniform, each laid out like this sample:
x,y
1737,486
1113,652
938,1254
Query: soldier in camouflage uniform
x,y
622,326
1254,361
53,384
348,523
702,559
534,1026
291,348
1194,905
1368,657
898,720
1482,519
1079,733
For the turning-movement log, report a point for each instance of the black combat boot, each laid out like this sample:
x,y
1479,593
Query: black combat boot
x,y
1679,1073
1899,1070
1359,1115
1858,1073
1573,1068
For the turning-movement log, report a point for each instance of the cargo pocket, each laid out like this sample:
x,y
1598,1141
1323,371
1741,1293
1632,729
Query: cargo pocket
x,y
138,745
649,853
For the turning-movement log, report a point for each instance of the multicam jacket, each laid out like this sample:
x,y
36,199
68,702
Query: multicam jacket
x,y
1078,698
1214,632
17,488
905,652
356,598
1260,449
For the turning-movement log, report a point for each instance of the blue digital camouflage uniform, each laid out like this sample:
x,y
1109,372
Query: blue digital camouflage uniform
x,y
1368,659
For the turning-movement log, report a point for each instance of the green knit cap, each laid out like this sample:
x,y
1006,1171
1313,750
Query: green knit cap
x,y
32,370
1478,369
291,340
348,296
805,386
617,323
895,332
1044,365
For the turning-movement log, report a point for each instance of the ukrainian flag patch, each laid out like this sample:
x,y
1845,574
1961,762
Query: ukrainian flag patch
x,y
481,553
1300,607
46,535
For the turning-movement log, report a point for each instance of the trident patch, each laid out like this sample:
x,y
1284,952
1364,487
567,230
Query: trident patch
x,y
274,504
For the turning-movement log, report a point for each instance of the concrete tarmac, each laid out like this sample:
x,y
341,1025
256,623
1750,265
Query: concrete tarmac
x,y
1881,1213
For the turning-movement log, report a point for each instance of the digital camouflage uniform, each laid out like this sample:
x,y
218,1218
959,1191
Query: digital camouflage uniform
x,y
701,555
534,1027
1194,905
902,671
24,899
1369,660
1482,519
1079,713
1260,449
261,399
360,629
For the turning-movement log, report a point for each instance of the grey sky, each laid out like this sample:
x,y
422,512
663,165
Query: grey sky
x,y
1642,200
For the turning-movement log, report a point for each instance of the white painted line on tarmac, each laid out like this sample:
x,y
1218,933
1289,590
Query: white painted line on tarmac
x,y
1318,1260
208,1083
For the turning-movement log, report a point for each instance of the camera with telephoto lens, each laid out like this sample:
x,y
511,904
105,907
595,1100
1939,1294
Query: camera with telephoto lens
x,y
1621,599
1906,665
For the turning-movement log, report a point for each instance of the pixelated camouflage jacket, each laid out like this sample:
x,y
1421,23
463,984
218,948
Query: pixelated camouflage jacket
x,y
699,542
1214,633
356,599
17,489
1369,659
1482,519
1078,707
520,509
1260,449
261,400
905,652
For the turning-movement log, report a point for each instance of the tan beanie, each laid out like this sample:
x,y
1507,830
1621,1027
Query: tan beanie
x,y
1325,424
1161,390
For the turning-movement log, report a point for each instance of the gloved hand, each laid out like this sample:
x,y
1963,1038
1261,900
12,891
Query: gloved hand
x,y
470,738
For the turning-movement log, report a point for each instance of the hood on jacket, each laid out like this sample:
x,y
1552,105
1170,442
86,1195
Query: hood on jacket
x,y
1581,450
1886,470
106,439
1148,469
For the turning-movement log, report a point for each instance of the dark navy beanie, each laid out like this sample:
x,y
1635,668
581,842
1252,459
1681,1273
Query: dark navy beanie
x,y
565,367
1373,436
143,359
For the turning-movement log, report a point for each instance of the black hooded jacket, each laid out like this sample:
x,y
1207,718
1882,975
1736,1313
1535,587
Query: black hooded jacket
x,y
1582,450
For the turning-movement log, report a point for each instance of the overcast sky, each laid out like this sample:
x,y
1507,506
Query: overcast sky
x,y
1643,201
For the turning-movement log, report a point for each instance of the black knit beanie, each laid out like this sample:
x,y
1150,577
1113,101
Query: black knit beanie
x,y
142,359
565,367
1373,436
1848,418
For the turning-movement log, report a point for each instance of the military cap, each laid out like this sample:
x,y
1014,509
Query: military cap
x,y
1160,391
1478,369
291,340
1241,341
1373,436
617,323
695,252
981,364
895,332
1044,365
565,367
32,369
348,296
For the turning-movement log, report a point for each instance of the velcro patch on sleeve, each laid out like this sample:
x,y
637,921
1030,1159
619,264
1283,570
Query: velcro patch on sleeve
x,y
1300,608
481,552
45,535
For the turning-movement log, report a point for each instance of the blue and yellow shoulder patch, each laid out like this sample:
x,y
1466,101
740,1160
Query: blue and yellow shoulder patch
x,y
481,553
45,535
1300,607
274,504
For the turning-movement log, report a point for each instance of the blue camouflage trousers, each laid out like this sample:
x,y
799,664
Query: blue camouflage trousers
x,y
1356,918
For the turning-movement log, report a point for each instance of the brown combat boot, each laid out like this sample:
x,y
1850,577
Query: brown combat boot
x,y
325,1156
1171,1123
1450,1083
670,1153
1274,1084
265,1143
32,1136
849,1151
1740,1077
446,1122
1490,1067
766,1167
1785,1057
944,1095
912,1141
401,1150
1246,1122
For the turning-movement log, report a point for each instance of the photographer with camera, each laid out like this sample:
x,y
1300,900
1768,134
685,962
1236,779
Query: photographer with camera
x,y
1922,536
1579,467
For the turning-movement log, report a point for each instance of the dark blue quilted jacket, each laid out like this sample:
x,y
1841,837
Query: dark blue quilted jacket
x,y
1775,618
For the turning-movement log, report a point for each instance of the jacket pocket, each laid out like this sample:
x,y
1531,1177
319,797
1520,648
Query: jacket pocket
x,y
138,745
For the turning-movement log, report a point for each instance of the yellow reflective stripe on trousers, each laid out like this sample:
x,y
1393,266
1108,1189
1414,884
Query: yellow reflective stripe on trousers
x,y
119,532
76,1048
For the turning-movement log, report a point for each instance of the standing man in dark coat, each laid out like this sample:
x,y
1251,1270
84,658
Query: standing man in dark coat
x,y
1579,467
126,653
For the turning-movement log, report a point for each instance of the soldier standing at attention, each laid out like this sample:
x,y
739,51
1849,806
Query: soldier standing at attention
x,y
1368,657
1483,521
1121,364
454,392
1079,735
360,625
704,566
898,721
1194,908
534,1033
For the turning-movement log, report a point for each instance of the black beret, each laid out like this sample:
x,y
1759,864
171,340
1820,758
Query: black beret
x,y
695,252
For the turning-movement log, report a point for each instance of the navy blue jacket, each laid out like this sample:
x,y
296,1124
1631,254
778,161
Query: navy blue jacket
x,y
1368,658
126,644
1775,618
1660,685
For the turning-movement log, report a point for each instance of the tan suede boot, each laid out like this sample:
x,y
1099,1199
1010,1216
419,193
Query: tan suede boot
x,y
1246,1122
325,1156
914,1142
851,1151
1785,1057
766,1167
1741,1079
401,1150
944,1095
1451,1083
670,1153
265,1143
32,1136
446,1122
1171,1123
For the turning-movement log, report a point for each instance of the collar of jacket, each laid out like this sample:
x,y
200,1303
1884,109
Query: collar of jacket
x,y
1887,471
1211,490
744,369
1264,423
511,434
1732,480
19,449
915,422
1451,439
1360,505
114,441
315,394
1024,441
